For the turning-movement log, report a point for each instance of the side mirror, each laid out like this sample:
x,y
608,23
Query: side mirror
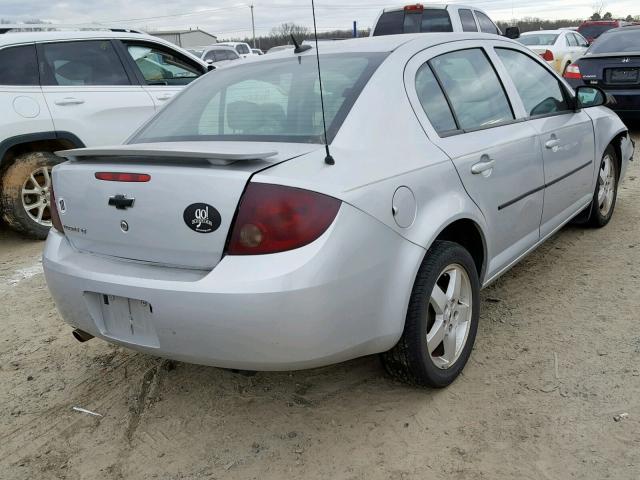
x,y
587,97
512,32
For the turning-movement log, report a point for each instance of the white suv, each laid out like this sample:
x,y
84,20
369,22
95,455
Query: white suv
x,y
74,87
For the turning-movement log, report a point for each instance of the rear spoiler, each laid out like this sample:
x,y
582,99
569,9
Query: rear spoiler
x,y
611,55
169,152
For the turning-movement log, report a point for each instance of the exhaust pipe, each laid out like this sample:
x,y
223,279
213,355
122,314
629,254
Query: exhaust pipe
x,y
81,335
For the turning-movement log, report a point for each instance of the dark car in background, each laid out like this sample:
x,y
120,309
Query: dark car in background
x,y
613,64
592,29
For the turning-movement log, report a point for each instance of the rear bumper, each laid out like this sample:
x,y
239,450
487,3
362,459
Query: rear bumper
x,y
343,296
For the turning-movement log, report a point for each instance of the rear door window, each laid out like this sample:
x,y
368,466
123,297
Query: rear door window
x,y
486,25
571,40
473,88
539,89
467,20
433,101
93,62
23,64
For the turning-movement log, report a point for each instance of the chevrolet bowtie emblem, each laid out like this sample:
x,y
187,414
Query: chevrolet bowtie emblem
x,y
121,202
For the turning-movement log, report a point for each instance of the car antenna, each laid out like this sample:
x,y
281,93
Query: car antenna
x,y
299,48
328,159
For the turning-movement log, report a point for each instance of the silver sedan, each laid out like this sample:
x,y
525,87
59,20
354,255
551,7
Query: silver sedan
x,y
222,233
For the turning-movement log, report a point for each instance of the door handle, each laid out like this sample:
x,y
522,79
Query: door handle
x,y
552,144
482,166
164,97
70,101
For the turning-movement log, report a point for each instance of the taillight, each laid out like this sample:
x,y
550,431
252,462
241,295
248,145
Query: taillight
x,y
275,218
547,55
53,208
573,72
123,177
418,7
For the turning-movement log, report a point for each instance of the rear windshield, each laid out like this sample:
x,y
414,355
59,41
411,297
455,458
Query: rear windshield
x,y
625,41
594,31
538,39
399,21
267,101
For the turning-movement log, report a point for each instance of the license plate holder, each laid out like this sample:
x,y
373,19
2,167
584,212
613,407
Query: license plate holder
x,y
125,319
624,75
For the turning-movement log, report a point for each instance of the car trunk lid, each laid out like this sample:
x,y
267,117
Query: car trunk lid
x,y
180,217
611,70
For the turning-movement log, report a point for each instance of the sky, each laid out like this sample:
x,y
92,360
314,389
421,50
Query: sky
x,y
232,18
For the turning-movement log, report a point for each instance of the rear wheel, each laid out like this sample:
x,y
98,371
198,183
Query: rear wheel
x,y
24,196
442,319
604,197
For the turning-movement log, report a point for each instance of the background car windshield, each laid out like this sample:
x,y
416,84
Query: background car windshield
x,y
538,39
275,100
613,42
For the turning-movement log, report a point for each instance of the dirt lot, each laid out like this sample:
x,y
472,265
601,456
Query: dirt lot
x,y
556,358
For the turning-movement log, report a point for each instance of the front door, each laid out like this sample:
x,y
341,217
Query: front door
x,y
162,71
566,137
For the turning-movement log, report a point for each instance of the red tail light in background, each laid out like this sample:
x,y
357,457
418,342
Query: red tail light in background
x,y
418,7
547,55
573,72
275,218
123,177
53,208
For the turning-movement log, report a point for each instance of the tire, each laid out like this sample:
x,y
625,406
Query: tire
x,y
410,360
33,222
606,192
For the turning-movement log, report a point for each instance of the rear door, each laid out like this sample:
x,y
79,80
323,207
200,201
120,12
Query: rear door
x,y
89,93
464,109
566,136
162,71
21,100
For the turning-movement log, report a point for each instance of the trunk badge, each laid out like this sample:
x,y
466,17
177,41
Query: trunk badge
x,y
626,60
121,202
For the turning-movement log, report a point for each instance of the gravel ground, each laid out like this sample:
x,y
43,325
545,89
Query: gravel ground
x,y
556,359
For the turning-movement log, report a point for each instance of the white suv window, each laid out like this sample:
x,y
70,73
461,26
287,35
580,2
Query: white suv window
x,y
92,62
160,67
24,66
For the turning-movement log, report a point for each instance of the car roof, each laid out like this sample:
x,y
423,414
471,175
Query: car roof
x,y
623,29
11,38
389,43
439,6
220,47
532,32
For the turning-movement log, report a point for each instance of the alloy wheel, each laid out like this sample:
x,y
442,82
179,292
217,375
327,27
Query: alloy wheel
x,y
449,316
35,196
606,185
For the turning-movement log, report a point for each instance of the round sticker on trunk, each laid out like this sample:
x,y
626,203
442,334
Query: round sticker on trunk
x,y
202,218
